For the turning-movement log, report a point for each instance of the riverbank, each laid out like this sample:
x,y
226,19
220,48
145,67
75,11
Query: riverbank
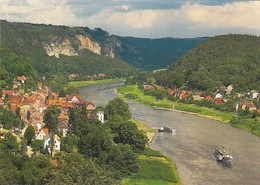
x,y
132,92
79,84
155,167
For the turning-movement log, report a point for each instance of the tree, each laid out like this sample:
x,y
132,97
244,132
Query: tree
x,y
128,133
122,159
9,143
51,118
29,134
51,121
118,107
36,145
69,143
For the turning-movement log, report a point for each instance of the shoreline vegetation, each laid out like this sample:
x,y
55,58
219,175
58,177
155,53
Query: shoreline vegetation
x,y
155,167
131,92
79,84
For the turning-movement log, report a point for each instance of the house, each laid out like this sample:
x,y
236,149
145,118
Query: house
x,y
149,87
2,102
243,105
63,127
229,89
7,92
56,143
73,75
43,133
73,98
94,75
208,97
170,92
100,116
253,94
39,85
22,78
218,101
16,84
13,99
196,97
101,75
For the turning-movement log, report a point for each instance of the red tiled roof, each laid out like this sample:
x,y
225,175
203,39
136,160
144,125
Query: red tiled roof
x,y
14,99
42,91
170,92
39,85
9,92
21,78
208,97
45,130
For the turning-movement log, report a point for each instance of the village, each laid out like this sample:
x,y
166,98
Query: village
x,y
222,95
31,107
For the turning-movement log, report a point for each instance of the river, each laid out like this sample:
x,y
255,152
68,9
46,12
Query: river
x,y
192,147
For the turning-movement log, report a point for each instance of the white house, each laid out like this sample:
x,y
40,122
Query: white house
x,y
43,134
100,115
56,144
218,95
253,94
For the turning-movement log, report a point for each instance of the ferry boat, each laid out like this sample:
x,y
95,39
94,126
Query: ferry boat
x,y
223,157
167,129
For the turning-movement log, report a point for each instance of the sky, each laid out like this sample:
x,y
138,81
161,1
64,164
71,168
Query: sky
x,y
141,18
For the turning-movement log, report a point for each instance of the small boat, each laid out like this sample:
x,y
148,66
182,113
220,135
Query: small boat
x,y
167,129
221,156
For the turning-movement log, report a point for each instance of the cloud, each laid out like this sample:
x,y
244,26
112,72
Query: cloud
x,y
123,18
34,11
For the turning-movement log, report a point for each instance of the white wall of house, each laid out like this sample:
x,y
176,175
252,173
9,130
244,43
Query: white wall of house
x,y
47,144
100,115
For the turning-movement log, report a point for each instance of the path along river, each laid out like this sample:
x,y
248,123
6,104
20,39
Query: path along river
x,y
192,147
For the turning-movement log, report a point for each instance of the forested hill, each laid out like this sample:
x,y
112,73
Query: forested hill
x,y
144,53
222,60
52,51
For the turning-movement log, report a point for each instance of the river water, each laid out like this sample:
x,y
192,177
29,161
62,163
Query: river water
x,y
196,138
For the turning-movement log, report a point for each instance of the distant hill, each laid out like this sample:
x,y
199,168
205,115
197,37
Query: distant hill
x,y
144,53
222,60
46,50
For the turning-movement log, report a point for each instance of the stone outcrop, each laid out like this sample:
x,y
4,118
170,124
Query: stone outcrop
x,y
64,48
86,43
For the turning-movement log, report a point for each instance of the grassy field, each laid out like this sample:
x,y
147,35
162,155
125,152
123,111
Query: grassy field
x,y
155,168
93,82
132,92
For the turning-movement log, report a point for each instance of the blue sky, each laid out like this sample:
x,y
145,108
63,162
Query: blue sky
x,y
141,18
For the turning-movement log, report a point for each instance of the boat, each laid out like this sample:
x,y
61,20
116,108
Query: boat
x,y
223,157
167,129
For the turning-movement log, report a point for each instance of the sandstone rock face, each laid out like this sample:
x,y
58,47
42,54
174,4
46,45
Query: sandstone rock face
x,y
86,43
64,48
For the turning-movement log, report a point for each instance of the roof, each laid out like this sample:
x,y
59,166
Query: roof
x,y
63,116
1,101
55,163
170,92
9,92
39,84
69,97
42,91
21,78
15,99
149,87
45,130
208,97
